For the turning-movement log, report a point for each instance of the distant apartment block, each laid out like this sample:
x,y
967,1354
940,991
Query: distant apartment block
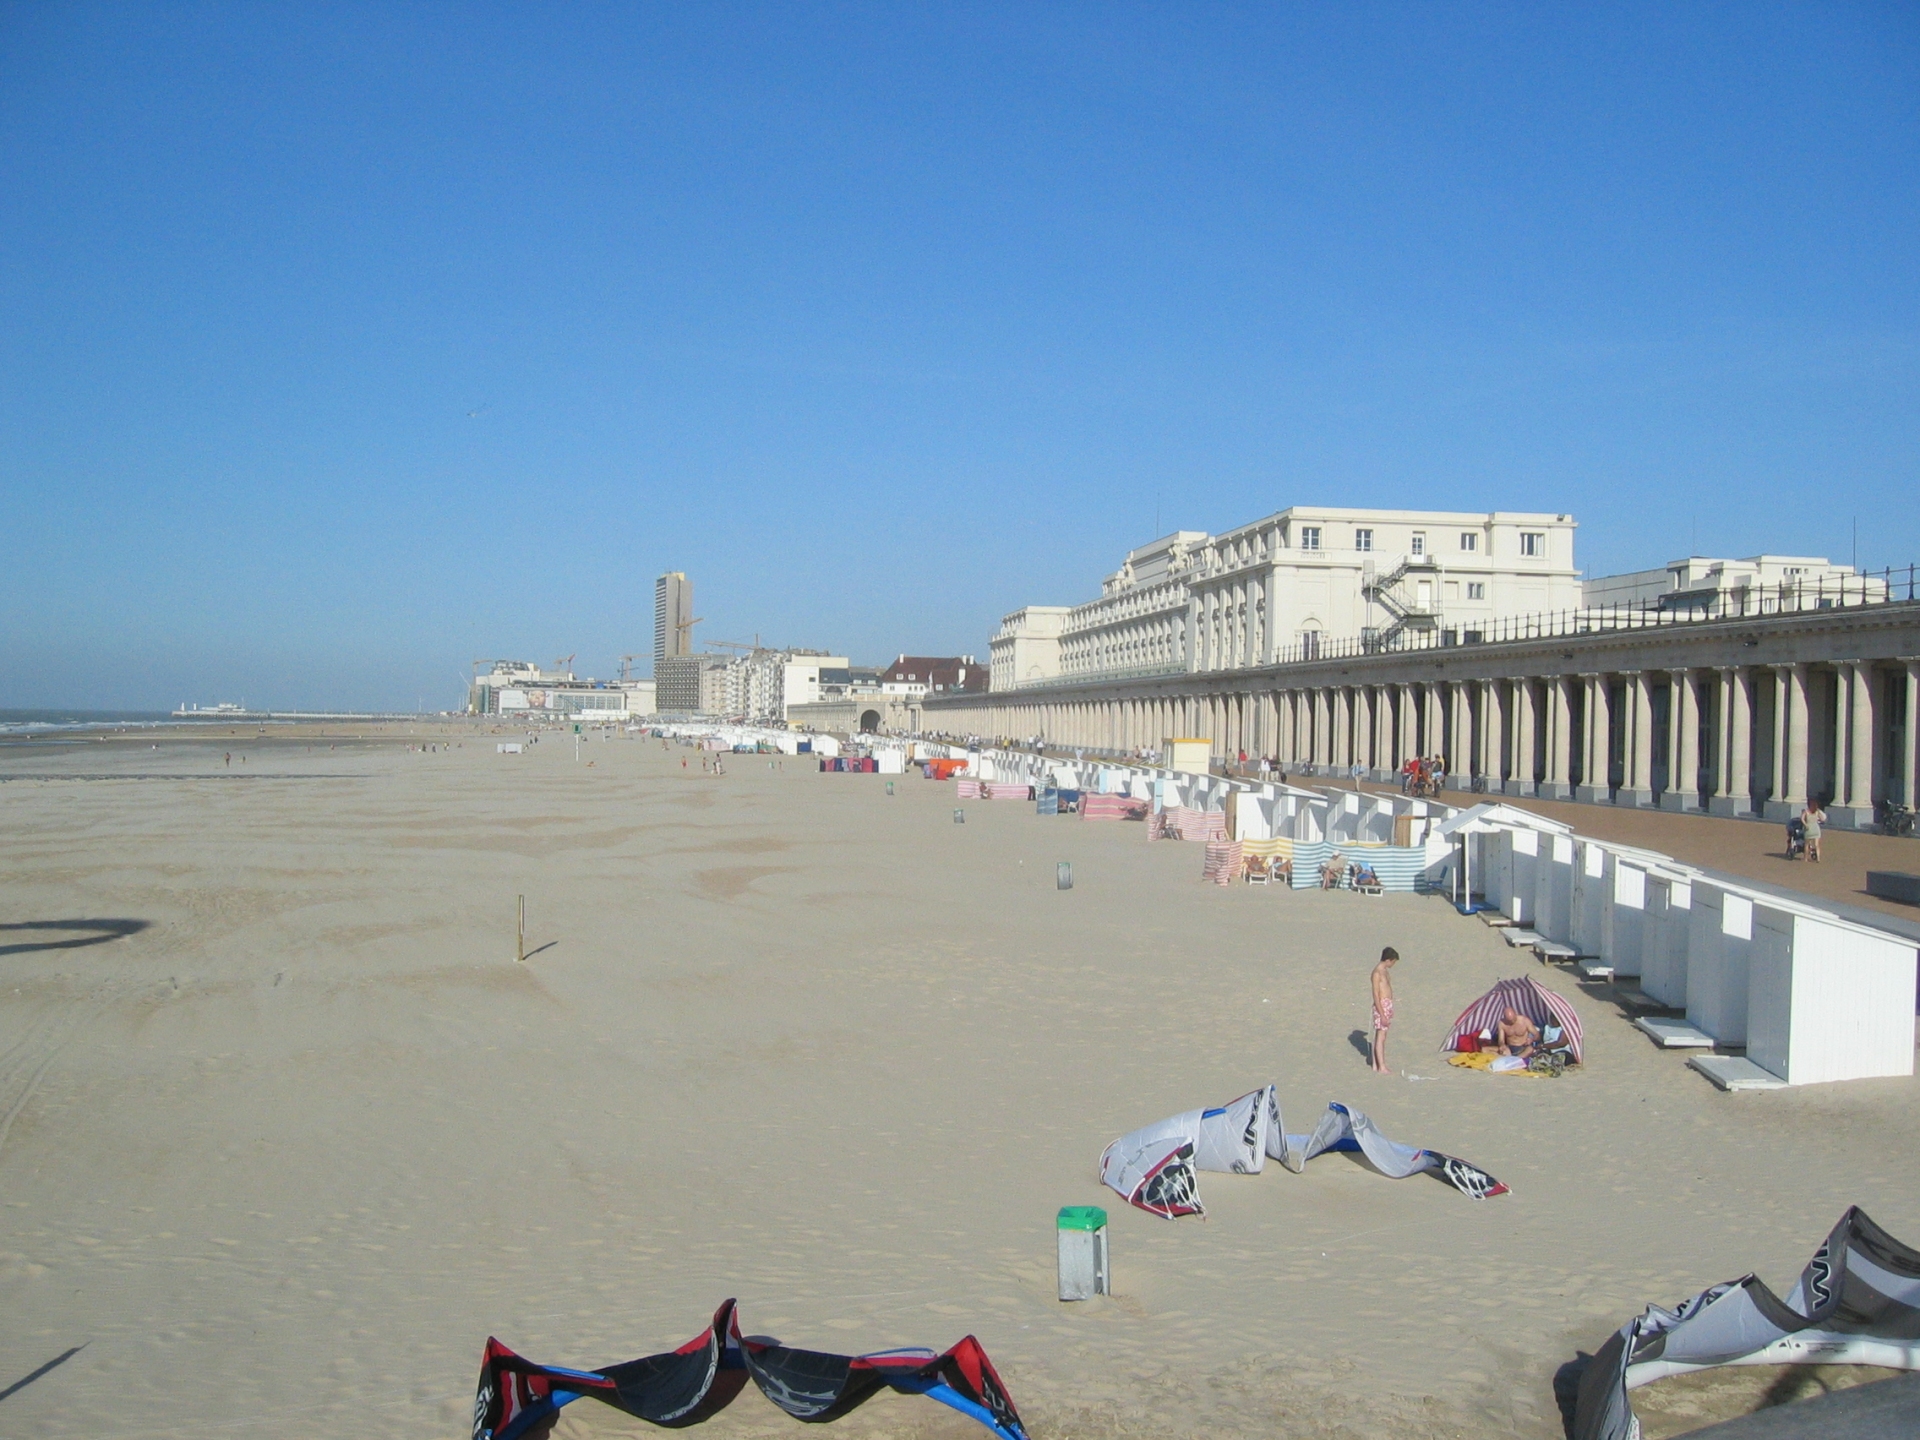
x,y
673,620
681,683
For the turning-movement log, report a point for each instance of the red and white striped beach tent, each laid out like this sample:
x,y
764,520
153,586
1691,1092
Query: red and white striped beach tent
x,y
1528,996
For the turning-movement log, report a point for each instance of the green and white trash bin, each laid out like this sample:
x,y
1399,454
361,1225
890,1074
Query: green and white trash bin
x,y
1083,1252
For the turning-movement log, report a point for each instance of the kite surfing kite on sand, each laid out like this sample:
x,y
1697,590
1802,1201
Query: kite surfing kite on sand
x,y
1157,1167
518,1398
1856,1303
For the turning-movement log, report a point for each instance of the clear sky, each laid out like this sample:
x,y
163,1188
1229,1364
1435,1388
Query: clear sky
x,y
341,346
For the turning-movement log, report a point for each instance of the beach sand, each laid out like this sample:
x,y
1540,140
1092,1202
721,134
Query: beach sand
x,y
283,1158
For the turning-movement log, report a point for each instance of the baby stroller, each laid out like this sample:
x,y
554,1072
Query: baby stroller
x,y
1796,839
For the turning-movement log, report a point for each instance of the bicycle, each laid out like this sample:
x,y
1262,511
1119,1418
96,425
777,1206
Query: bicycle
x,y
1895,819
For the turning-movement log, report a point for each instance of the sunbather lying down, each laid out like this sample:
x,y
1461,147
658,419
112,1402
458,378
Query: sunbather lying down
x,y
1515,1034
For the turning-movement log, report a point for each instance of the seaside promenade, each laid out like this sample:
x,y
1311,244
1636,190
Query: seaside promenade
x,y
282,1155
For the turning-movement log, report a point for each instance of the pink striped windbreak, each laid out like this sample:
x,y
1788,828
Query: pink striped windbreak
x,y
1531,999
1222,863
1191,824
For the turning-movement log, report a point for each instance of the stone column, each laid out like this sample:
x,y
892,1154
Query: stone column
x,y
1740,741
1363,725
1794,800
1493,736
1637,752
1690,742
1683,744
1910,759
1856,809
1559,782
1777,745
1732,796
1520,777
1776,807
1459,735
1381,703
1597,749
1402,724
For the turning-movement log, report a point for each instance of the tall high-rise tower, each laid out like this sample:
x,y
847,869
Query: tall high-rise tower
x,y
672,616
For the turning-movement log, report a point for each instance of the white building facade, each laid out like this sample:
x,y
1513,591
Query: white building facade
x,y
521,689
1277,589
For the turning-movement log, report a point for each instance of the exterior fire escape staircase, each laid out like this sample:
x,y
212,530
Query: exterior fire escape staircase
x,y
1409,593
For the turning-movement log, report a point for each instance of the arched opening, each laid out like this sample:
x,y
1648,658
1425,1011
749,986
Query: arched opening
x,y
869,721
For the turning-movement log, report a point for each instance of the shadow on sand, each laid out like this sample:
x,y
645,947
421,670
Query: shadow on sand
x,y
51,1365
93,932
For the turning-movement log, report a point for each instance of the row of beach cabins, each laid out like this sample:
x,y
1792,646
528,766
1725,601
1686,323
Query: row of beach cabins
x,y
1798,993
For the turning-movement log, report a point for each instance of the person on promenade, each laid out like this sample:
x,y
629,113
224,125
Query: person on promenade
x,y
1811,819
1382,1007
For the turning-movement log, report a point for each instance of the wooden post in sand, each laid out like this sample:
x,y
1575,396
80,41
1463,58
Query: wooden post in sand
x,y
520,945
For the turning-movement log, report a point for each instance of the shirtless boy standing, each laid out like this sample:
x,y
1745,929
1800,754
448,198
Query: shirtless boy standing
x,y
1383,1005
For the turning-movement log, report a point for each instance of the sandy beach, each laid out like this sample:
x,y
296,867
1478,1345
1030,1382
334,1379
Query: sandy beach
x,y
283,1156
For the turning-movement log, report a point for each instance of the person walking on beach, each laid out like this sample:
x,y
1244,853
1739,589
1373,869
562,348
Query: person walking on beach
x,y
1383,1006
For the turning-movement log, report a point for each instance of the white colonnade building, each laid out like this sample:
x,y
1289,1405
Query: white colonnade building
x,y
1329,639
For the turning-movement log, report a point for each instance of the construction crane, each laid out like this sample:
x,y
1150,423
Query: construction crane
x,y
626,665
687,625
564,661
737,644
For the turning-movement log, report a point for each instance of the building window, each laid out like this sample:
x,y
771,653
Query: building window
x,y
1310,537
1419,542
1469,541
1363,540
1533,542
1476,589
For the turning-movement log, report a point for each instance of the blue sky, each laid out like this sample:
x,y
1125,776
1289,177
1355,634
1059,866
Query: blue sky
x,y
341,346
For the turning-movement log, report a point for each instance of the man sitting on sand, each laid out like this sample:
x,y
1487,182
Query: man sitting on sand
x,y
1515,1034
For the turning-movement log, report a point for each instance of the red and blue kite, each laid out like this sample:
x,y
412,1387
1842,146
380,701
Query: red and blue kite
x,y
519,1399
